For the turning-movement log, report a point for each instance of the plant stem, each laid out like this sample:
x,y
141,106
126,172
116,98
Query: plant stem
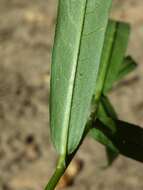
x,y
55,178
60,169
64,161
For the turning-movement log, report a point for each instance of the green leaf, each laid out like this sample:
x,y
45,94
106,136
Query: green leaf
x,y
105,59
79,38
128,139
127,66
117,55
115,44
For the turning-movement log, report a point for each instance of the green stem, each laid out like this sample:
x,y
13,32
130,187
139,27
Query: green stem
x,y
64,161
60,169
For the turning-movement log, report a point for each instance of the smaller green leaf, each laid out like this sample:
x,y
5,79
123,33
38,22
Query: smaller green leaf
x,y
105,58
127,66
118,53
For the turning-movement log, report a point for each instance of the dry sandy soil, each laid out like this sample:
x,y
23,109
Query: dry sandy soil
x,y
27,157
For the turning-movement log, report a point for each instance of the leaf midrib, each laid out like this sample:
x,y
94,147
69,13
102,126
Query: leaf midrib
x,y
66,131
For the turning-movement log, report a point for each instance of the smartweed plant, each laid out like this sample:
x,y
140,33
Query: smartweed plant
x,y
88,59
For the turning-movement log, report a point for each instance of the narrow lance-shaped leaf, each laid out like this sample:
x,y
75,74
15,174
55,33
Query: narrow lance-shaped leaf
x,y
105,59
118,53
76,57
115,44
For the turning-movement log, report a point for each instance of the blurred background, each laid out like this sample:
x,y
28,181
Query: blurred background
x,y
27,157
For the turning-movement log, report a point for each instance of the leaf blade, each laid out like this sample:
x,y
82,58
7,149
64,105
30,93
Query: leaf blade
x,y
73,70
120,46
105,58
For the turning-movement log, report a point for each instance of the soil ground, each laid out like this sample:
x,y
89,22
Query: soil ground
x,y
27,157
